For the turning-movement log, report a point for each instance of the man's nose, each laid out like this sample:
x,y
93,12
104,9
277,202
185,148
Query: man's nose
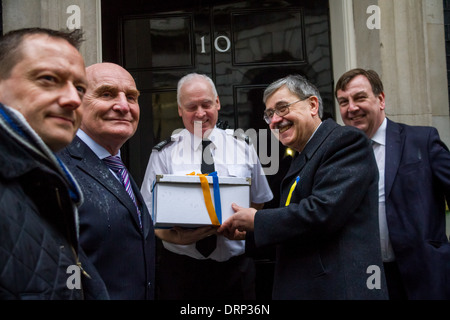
x,y
70,97
121,103
352,106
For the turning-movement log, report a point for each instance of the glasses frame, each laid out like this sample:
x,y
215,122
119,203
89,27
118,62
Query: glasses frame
x,y
280,111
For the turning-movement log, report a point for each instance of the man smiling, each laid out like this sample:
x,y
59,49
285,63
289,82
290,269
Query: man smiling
x,y
414,170
116,229
188,271
326,229
42,84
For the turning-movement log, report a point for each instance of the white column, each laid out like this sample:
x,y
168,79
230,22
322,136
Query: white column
x,y
342,40
59,14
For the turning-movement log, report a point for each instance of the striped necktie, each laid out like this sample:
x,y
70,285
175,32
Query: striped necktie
x,y
116,165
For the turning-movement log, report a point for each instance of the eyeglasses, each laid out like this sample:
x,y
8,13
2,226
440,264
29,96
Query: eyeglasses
x,y
281,111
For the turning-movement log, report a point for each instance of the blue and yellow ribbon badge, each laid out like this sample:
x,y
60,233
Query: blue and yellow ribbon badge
x,y
288,200
215,214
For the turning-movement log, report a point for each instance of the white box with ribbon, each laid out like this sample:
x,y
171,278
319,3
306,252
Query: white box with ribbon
x,y
194,200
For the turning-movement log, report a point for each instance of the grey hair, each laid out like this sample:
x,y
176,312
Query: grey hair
x,y
192,76
298,85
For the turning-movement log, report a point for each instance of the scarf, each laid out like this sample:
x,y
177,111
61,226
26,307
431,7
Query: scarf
x,y
15,124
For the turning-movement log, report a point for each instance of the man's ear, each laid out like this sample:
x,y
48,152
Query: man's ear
x,y
218,103
314,105
381,100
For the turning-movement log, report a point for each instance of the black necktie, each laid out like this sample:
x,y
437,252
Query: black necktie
x,y
207,245
207,159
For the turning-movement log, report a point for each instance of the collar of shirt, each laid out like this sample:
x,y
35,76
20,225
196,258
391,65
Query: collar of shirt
x,y
380,136
312,136
94,146
314,132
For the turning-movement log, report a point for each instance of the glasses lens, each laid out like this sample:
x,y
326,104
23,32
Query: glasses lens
x,y
282,111
268,114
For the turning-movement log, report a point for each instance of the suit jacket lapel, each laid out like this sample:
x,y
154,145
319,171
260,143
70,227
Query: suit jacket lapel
x,y
395,140
311,147
297,164
93,166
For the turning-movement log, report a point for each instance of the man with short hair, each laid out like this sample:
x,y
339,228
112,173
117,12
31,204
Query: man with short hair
x,y
42,84
186,270
414,170
326,228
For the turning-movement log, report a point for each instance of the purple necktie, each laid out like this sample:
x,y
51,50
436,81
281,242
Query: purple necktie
x,y
116,165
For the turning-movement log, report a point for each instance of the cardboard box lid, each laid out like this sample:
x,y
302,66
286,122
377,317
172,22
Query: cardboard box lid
x,y
195,179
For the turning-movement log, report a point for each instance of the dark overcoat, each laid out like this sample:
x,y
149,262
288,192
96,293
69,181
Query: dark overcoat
x,y
328,244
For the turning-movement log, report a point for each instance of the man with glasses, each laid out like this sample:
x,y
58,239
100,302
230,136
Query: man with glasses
x,y
326,228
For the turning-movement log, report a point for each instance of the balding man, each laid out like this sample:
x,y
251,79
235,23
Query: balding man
x,y
116,229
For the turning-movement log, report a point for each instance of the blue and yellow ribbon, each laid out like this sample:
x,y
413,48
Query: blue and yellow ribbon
x,y
215,214
288,200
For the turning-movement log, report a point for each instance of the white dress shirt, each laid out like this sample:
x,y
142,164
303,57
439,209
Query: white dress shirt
x,y
232,158
97,149
379,149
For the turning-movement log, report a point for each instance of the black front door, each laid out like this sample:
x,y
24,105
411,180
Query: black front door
x,y
242,45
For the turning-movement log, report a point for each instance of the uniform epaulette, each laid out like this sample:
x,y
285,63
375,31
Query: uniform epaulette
x,y
222,124
162,144
246,138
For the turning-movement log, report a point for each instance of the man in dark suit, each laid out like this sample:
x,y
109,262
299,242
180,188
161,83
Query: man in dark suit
x,y
326,228
414,166
116,229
